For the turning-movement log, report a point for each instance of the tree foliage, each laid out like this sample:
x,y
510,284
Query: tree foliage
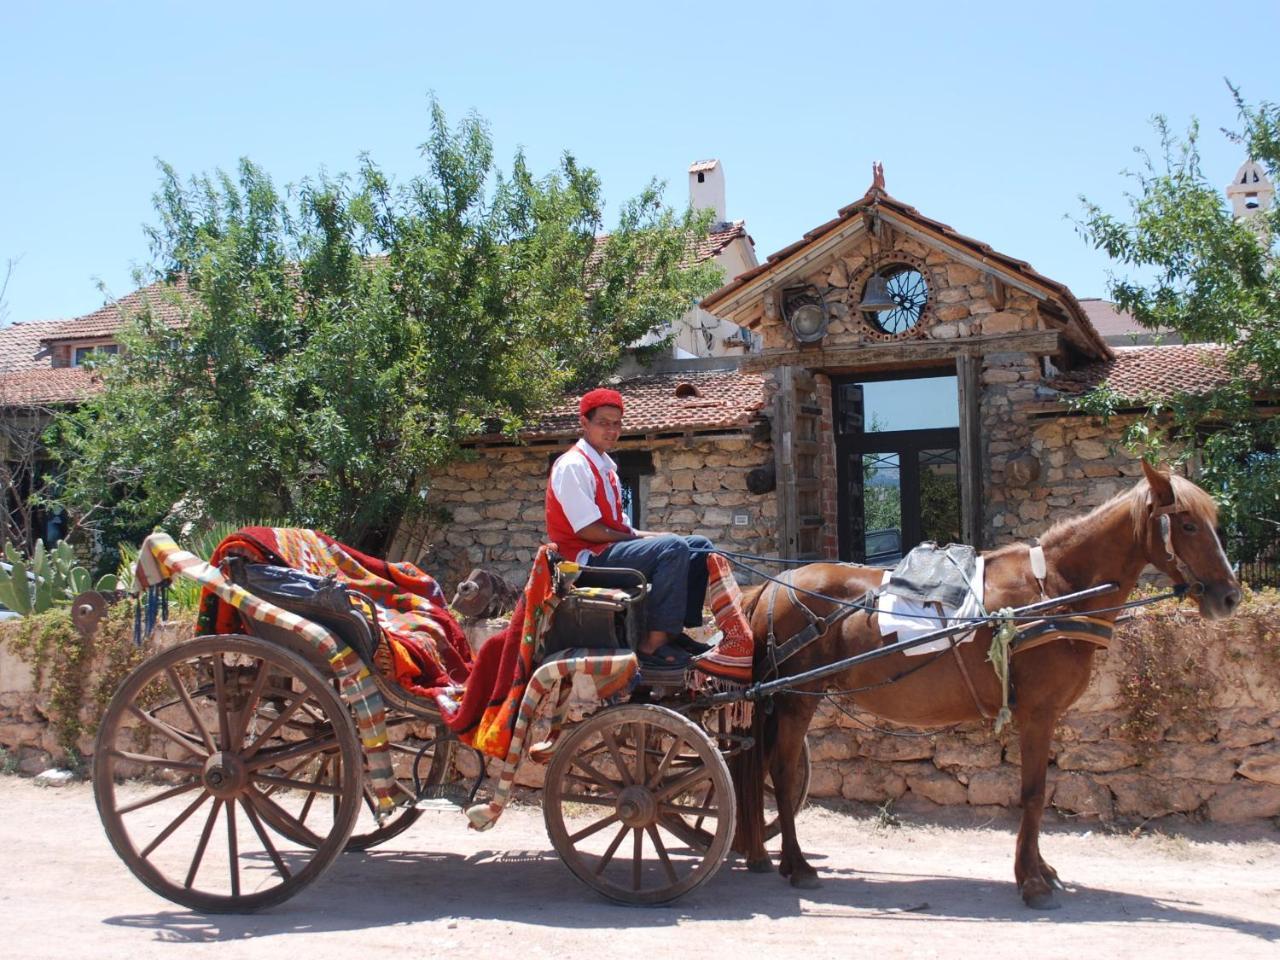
x,y
1189,267
344,336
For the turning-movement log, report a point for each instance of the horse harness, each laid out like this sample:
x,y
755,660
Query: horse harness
x,y
1093,630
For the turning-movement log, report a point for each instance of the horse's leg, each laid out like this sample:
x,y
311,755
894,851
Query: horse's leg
x,y
794,715
1034,876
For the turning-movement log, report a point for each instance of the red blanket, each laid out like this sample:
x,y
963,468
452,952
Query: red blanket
x,y
428,649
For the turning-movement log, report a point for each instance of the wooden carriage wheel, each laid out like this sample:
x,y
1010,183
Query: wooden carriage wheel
x,y
772,827
433,760
211,760
639,804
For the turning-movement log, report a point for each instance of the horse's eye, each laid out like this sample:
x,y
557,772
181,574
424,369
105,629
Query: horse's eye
x,y
1189,527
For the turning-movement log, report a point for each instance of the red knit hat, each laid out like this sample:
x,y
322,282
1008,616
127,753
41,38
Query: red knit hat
x,y
601,397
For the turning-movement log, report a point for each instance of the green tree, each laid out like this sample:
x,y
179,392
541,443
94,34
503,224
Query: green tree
x,y
1189,267
342,338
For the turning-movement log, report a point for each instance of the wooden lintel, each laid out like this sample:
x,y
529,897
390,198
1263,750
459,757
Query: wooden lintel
x,y
1038,342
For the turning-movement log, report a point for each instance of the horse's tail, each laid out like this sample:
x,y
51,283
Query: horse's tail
x,y
747,767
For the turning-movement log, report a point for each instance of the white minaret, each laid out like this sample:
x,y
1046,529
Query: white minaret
x,y
706,188
1250,192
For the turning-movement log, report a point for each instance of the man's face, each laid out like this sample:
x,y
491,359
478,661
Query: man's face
x,y
602,427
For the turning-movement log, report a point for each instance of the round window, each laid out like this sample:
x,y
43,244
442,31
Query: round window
x,y
902,291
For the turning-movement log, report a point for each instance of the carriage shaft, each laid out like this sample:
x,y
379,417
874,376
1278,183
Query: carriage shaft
x,y
761,690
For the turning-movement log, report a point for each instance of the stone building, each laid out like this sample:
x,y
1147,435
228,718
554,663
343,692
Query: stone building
x,y
911,384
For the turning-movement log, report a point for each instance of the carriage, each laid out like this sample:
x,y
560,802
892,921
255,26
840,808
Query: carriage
x,y
284,743
232,769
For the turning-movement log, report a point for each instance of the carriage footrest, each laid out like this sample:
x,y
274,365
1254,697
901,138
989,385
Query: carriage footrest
x,y
444,795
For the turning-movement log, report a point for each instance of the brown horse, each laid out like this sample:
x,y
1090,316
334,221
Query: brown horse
x,y
1164,521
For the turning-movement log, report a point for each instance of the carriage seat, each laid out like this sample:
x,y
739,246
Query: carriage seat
x,y
322,600
603,608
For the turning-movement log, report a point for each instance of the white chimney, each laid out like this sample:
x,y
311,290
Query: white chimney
x,y
1250,192
706,188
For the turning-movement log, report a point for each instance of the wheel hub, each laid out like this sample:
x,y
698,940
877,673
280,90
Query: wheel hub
x,y
637,806
224,775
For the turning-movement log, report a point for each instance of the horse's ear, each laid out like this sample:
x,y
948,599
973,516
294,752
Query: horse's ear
x,y
1161,485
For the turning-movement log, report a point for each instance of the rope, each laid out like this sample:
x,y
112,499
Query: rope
x,y
998,657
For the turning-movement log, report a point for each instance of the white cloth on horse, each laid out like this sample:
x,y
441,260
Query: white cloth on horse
x,y
909,619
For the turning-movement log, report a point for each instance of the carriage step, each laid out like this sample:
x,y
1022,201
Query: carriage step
x,y
444,796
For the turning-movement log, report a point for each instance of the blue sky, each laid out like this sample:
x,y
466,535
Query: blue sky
x,y
993,118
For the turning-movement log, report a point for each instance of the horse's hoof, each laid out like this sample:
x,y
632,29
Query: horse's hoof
x,y
1041,901
763,865
1055,882
806,881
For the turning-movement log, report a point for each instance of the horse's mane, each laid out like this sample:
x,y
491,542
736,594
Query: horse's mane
x,y
1187,496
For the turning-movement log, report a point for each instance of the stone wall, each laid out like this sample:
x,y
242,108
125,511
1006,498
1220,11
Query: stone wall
x,y
495,502
1180,717
1041,465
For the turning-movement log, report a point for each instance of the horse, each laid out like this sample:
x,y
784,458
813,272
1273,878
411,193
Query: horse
x,y
1165,521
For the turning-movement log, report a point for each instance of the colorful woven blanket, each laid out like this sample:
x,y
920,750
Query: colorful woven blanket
x,y
732,656
428,649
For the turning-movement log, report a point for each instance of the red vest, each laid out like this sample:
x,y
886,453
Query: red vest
x,y
560,530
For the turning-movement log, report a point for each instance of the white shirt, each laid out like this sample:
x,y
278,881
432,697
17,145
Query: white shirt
x,y
574,486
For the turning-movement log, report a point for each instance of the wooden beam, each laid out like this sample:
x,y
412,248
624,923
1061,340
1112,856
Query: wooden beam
x,y
978,263
786,269
969,391
1038,342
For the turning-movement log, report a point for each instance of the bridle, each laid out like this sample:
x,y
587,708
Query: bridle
x,y
1195,586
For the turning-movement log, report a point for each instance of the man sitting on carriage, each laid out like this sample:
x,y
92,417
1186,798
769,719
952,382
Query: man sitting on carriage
x,y
586,522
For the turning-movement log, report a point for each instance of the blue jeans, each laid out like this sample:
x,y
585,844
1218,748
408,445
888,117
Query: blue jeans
x,y
677,576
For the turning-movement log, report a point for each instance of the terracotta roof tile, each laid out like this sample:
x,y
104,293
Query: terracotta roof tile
x,y
892,205
715,241
1151,373
689,401
20,343
45,385
109,318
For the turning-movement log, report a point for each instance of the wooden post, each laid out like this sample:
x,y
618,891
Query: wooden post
x,y
968,386
784,420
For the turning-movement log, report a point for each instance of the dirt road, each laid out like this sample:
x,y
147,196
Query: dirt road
x,y
440,890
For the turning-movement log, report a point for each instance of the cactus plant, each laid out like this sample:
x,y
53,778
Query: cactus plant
x,y
50,578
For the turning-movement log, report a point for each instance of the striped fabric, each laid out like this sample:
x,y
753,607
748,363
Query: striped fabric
x,y
731,659
160,558
611,674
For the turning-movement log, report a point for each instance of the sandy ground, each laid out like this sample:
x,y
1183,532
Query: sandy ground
x,y
918,890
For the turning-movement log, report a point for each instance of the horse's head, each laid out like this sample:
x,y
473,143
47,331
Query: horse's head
x,y
1177,523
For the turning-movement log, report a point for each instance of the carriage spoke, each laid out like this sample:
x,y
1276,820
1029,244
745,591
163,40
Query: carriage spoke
x,y
296,784
702,813
279,756
202,845
618,761
177,736
275,725
711,795
590,799
595,775
681,784
284,821
220,692
157,761
611,850
266,841
594,828
180,689
672,750
306,805
251,704
233,849
662,853
177,822
157,798
641,736
637,857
